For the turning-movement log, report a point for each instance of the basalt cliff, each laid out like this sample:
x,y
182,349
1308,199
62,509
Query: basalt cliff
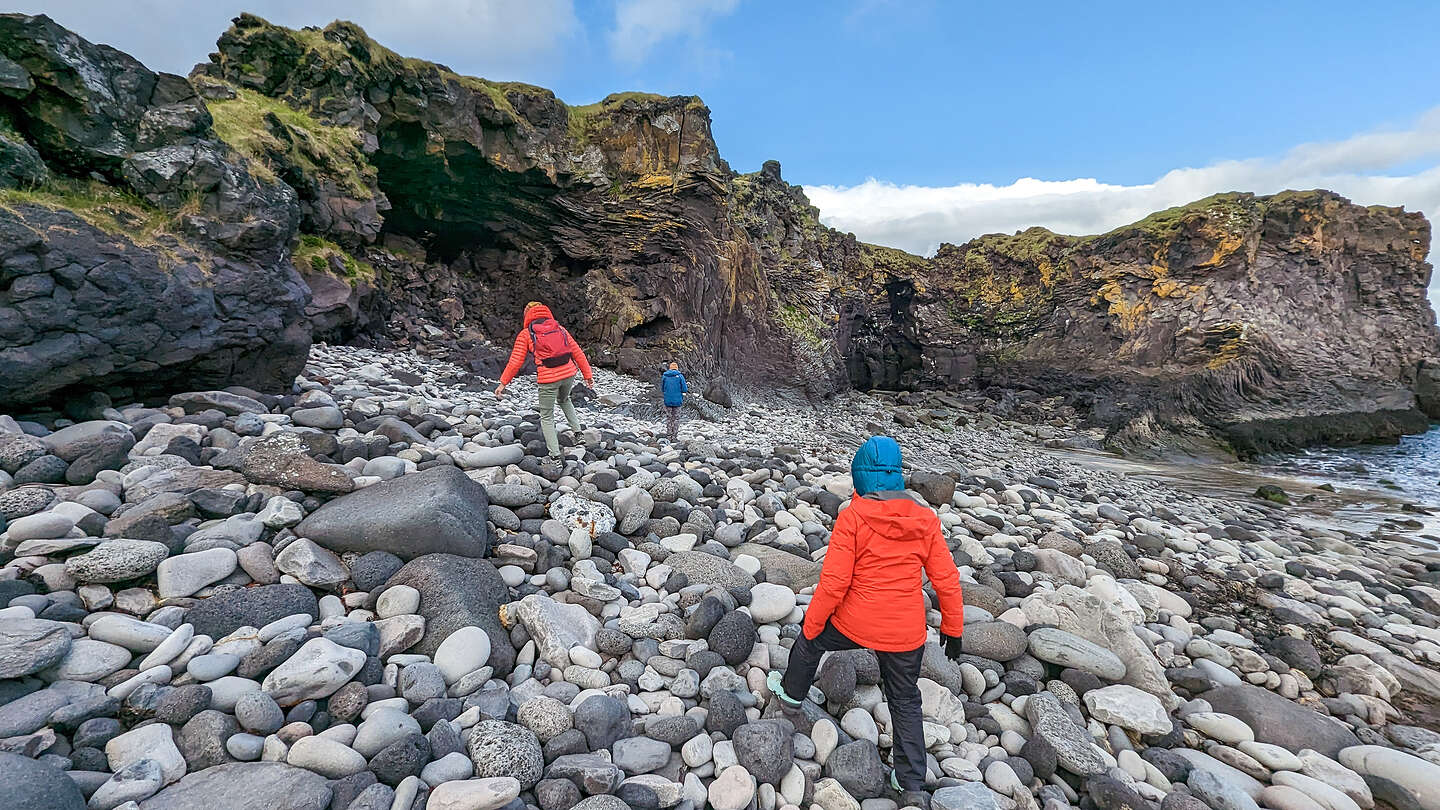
x,y
311,184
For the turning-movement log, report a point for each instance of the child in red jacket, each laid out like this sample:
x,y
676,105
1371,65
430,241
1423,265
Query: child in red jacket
x,y
870,596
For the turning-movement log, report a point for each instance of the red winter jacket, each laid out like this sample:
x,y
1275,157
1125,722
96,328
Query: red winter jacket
x,y
870,580
544,374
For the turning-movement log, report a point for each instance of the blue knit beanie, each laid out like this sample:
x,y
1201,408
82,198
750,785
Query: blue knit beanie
x,y
876,467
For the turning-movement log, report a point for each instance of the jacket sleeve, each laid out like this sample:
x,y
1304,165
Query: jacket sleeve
x,y
583,362
684,386
945,577
835,575
517,357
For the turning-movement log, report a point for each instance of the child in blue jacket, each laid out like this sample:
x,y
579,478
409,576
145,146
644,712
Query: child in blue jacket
x,y
672,383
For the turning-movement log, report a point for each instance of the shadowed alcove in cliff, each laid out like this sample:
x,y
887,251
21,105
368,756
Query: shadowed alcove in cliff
x,y
500,229
887,357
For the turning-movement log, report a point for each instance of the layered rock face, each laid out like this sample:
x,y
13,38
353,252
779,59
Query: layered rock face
x,y
312,181
1277,321
1270,321
620,215
138,250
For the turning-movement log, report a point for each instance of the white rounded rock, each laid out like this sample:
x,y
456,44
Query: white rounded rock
x,y
1129,708
462,652
397,600
156,742
326,757
770,602
474,794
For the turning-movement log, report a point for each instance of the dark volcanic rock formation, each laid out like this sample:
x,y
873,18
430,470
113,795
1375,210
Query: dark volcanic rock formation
x,y
149,254
1278,321
620,214
423,208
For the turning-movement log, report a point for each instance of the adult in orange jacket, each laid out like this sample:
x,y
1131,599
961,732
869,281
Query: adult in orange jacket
x,y
558,359
870,595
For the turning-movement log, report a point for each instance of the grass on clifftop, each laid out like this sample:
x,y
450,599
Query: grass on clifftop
x,y
342,47
248,123
1233,210
104,206
320,255
584,118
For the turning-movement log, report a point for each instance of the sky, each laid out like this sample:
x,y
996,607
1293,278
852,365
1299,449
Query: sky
x,y
916,122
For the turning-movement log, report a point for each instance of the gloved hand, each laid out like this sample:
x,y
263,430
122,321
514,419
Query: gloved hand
x,y
952,646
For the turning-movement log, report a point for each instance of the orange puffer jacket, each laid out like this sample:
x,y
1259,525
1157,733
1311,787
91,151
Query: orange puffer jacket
x,y
870,580
544,374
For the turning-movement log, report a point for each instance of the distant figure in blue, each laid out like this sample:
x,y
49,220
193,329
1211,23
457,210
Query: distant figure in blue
x,y
672,382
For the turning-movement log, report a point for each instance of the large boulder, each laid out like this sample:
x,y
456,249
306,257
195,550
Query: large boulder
x,y
803,572
282,459
710,569
245,786
1281,722
458,592
33,785
30,645
139,305
434,511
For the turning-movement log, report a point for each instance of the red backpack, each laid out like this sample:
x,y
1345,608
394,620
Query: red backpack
x,y
550,342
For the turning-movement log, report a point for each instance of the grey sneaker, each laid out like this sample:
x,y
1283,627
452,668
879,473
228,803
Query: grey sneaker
x,y
789,706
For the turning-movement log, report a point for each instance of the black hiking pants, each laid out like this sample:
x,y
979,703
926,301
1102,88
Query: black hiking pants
x,y
899,680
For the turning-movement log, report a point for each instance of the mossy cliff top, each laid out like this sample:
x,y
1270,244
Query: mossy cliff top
x,y
343,77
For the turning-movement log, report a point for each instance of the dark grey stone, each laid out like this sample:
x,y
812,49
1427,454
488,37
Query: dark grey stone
x,y
603,720
245,786
733,637
1281,722
31,785
221,614
458,592
766,748
434,511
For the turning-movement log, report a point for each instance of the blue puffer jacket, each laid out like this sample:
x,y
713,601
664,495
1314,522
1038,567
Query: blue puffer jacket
x,y
673,384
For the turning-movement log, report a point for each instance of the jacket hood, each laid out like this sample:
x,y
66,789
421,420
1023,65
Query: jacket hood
x,y
534,314
876,466
671,372
894,516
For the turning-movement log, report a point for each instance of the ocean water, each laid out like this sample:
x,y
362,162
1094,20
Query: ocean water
x,y
1408,471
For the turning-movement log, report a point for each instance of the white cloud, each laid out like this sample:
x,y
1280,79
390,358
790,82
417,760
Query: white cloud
x,y
1400,167
493,38
641,25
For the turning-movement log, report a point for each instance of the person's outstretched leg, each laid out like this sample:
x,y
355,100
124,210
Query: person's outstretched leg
x,y
805,659
900,681
548,392
568,407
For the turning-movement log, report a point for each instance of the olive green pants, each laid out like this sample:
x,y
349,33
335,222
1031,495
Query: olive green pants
x,y
552,393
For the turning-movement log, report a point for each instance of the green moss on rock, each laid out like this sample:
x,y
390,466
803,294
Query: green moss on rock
x,y
320,255
277,138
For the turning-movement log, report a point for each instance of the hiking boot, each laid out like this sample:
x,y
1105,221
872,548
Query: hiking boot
x,y
914,798
908,798
791,708
552,467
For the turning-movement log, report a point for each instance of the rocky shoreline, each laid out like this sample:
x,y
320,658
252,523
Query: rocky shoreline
x,y
160,231
365,594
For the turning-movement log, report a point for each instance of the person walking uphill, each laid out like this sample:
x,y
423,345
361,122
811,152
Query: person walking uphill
x,y
557,360
672,382
870,595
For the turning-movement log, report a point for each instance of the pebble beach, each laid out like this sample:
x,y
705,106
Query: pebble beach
x,y
370,594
